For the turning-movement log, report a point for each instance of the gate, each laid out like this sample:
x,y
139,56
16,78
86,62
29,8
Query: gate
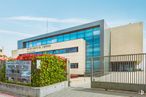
x,y
120,72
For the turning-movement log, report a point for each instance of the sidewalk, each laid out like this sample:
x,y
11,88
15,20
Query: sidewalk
x,y
87,92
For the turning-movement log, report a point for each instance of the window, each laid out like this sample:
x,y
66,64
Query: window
x,y
54,40
96,53
97,32
50,52
88,33
60,39
66,37
73,65
38,43
45,52
59,51
55,51
39,52
48,40
89,52
27,45
97,45
89,40
62,51
81,34
33,44
97,39
70,50
73,36
30,44
44,41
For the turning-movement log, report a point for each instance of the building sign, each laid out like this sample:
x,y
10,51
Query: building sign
x,y
35,49
38,64
18,71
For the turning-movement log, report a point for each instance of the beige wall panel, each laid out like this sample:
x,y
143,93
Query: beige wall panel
x,y
76,57
127,39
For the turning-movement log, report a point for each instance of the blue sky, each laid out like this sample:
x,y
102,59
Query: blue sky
x,y
24,18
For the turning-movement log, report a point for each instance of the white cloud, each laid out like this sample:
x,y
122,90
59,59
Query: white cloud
x,y
51,20
14,33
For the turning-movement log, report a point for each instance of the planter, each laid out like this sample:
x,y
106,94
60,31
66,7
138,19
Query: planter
x,y
32,91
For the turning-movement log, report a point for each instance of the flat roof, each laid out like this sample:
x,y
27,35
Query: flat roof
x,y
68,30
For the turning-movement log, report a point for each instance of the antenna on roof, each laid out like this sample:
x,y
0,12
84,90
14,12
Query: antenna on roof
x,y
47,25
2,48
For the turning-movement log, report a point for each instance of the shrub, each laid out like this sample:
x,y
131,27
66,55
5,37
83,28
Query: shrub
x,y
2,72
52,69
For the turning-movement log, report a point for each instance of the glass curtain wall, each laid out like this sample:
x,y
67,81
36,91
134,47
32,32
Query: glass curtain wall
x,y
91,36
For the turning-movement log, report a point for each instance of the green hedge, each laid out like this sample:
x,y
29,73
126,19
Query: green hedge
x,y
52,70
2,73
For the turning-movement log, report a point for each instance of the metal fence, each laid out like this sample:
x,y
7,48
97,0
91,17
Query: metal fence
x,y
125,72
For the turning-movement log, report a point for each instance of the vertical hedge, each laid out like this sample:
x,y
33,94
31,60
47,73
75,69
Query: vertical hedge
x,y
2,73
52,70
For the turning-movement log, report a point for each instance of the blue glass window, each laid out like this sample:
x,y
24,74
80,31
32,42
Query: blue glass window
x,y
97,32
30,44
44,41
60,38
96,53
45,52
96,65
66,37
54,40
96,39
38,43
33,44
73,65
89,51
97,45
89,33
73,36
89,40
81,34
38,52
27,45
56,51
70,50
49,40
50,52
62,51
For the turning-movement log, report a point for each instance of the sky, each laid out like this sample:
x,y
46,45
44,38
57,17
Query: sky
x,y
21,19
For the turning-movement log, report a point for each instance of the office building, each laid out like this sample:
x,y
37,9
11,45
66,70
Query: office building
x,y
81,43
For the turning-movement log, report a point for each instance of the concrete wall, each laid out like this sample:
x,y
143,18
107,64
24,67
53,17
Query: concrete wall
x,y
76,57
32,91
127,39
119,86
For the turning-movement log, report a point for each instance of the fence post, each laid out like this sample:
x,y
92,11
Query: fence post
x,y
68,72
